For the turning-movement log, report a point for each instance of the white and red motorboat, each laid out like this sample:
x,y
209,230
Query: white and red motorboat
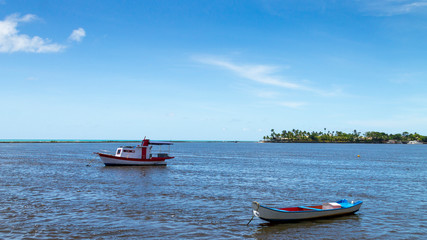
x,y
139,155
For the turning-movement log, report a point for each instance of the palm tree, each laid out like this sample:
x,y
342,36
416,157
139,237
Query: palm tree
x,y
273,134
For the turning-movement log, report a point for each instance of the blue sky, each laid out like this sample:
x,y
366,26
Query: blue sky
x,y
210,70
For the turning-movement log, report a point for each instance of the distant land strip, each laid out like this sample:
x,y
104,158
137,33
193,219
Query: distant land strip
x,y
327,136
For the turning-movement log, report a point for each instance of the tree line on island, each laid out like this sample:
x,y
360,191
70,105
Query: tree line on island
x,y
341,137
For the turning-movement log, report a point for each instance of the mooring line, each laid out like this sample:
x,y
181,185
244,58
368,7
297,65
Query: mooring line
x,y
88,165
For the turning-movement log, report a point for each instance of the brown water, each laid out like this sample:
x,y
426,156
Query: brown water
x,y
48,191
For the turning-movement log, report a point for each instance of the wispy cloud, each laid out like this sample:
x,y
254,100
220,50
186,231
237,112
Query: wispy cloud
x,y
393,7
77,35
12,41
258,73
264,74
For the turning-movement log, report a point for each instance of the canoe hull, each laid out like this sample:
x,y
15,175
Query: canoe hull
x,y
110,160
277,215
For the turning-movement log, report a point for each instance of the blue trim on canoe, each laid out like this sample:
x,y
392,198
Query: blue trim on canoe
x,y
274,209
323,210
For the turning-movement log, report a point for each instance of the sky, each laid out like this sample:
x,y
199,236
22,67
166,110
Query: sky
x,y
210,70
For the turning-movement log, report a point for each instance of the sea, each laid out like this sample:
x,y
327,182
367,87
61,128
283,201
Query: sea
x,y
63,191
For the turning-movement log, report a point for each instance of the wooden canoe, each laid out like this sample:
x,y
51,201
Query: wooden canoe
x,y
270,214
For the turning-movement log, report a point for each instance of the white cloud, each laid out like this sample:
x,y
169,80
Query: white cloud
x,y
259,73
77,35
12,41
264,74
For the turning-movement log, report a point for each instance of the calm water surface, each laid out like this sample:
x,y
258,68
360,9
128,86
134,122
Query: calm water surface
x,y
48,191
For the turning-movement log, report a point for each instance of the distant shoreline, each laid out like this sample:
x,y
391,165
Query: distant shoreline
x,y
298,136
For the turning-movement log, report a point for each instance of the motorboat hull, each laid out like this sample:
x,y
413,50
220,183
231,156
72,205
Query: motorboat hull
x,y
110,160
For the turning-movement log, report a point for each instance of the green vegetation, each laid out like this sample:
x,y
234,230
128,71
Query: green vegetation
x,y
340,137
